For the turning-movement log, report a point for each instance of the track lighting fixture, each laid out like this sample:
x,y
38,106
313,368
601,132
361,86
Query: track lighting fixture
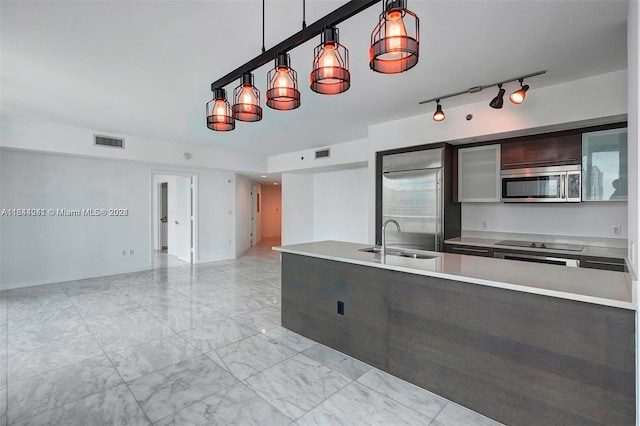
x,y
246,100
497,102
439,114
330,74
394,47
282,85
219,116
518,96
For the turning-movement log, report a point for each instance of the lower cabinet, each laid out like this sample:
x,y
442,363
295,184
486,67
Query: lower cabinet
x,y
469,250
516,357
604,263
311,292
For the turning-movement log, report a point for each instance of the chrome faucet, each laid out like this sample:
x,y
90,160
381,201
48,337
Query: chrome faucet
x,y
383,248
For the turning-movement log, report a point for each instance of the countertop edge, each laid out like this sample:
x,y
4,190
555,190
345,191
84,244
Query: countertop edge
x,y
471,280
602,253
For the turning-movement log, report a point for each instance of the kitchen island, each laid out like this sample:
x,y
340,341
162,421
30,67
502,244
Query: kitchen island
x,y
518,342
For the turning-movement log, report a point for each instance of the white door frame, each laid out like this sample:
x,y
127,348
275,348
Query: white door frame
x,y
155,227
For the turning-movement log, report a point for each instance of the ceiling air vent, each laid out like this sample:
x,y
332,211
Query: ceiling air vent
x,y
323,153
108,141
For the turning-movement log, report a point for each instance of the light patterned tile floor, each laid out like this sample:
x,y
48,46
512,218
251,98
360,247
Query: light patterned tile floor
x,y
182,345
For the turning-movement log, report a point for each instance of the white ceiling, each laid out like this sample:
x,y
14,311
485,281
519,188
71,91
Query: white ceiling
x,y
144,68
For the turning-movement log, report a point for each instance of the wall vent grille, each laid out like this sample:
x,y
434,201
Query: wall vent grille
x,y
323,153
108,141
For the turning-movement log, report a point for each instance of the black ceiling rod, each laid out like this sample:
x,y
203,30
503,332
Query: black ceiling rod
x,y
263,49
313,30
304,13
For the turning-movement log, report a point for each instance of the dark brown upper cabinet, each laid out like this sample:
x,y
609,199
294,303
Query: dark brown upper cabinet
x,y
541,151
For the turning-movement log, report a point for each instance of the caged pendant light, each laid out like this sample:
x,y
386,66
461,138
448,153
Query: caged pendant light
x,y
282,85
246,100
219,116
395,40
330,73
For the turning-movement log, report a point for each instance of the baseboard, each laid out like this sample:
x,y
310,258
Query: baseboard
x,y
75,277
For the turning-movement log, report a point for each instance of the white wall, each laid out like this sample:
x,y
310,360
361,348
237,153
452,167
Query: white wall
x,y
547,108
243,214
633,47
340,203
56,138
297,208
216,220
38,250
634,120
593,219
48,249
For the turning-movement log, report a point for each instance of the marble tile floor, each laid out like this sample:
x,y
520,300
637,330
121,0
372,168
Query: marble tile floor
x,y
188,345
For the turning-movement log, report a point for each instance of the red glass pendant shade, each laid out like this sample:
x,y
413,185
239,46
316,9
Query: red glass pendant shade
x,y
282,85
330,74
219,116
246,100
395,40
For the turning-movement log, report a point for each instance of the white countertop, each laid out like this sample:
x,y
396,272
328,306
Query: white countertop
x,y
586,285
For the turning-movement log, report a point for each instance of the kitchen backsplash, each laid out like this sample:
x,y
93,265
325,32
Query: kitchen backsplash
x,y
595,219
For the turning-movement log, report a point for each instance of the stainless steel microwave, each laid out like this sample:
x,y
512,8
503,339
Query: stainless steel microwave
x,y
554,184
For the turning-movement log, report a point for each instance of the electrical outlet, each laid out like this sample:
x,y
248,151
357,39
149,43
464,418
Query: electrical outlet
x,y
229,243
484,225
616,230
124,252
131,252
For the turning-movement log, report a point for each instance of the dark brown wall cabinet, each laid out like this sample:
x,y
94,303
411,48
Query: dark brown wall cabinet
x,y
542,152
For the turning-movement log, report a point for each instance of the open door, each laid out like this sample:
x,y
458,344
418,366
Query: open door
x,y
183,220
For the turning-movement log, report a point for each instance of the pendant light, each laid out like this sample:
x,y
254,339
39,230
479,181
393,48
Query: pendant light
x,y
219,116
330,72
518,96
498,101
439,114
246,100
395,40
282,85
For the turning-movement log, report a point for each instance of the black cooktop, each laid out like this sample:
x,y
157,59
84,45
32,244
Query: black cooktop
x,y
534,244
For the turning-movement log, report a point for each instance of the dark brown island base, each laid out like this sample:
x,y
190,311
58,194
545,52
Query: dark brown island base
x,y
520,358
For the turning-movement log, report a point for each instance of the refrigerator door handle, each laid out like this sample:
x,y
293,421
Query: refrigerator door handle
x,y
438,214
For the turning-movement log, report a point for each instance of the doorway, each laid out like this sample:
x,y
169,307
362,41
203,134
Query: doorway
x,y
173,215
271,211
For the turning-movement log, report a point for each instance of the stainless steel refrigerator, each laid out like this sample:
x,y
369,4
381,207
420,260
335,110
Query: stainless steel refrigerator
x,y
416,190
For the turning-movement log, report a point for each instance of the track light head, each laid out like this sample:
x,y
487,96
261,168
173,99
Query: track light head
x,y
439,114
498,101
518,96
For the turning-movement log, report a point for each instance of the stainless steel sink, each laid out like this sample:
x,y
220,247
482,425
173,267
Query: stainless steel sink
x,y
394,251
